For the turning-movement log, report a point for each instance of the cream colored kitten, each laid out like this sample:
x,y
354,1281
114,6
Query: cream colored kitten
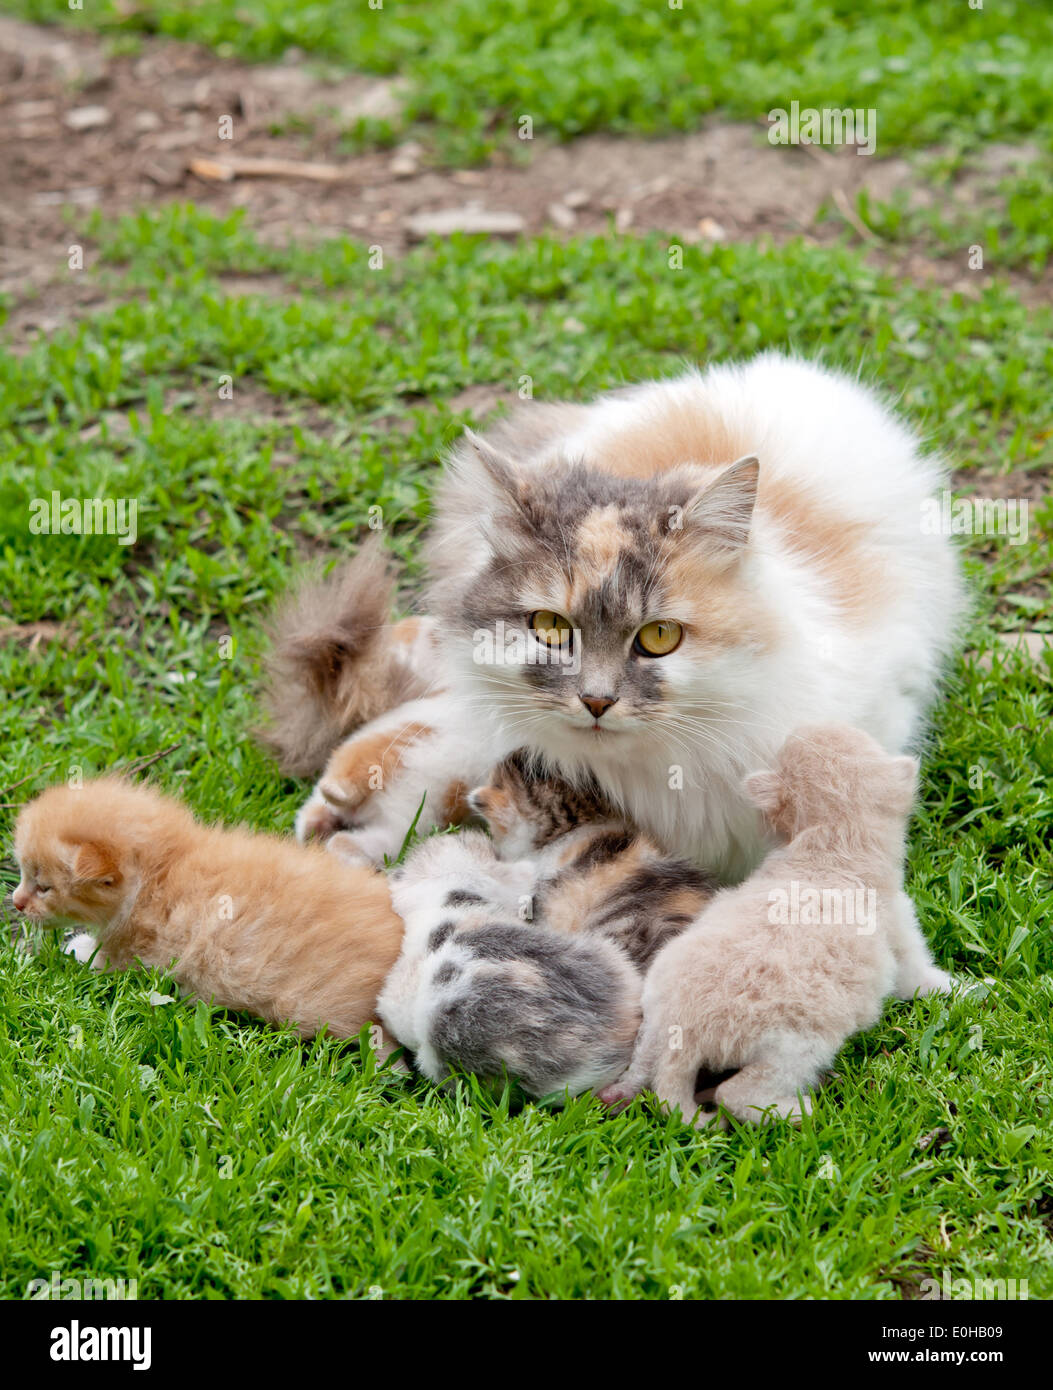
x,y
778,973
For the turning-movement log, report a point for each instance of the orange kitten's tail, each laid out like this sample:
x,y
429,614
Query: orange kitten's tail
x,y
337,660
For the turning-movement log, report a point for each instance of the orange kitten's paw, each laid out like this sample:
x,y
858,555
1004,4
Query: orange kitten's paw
x,y
85,948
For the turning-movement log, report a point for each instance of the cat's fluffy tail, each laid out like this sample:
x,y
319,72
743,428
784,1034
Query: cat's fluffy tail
x,y
337,660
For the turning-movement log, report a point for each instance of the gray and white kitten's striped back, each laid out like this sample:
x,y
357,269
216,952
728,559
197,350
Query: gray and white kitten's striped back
x,y
478,988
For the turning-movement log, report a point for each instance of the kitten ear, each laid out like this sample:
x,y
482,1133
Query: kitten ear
x,y
764,789
92,863
724,508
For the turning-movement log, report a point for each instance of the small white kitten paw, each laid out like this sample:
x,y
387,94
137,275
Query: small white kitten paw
x,y
83,946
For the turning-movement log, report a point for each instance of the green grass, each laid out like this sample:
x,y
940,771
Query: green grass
x,y
206,1156
1007,213
939,71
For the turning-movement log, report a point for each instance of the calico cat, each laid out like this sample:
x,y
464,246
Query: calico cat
x,y
476,987
656,588
769,991
251,922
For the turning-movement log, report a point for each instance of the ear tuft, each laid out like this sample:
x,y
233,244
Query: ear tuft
x,y
498,465
765,790
724,508
499,479
92,863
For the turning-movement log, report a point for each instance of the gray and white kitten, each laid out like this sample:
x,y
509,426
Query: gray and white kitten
x,y
524,954
477,987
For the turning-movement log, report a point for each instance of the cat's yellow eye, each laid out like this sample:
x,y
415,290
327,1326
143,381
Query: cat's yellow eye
x,y
659,638
551,628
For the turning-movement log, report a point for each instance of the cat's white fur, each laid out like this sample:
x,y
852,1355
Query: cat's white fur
x,y
834,436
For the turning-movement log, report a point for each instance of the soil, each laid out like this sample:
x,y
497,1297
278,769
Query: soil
x,y
84,127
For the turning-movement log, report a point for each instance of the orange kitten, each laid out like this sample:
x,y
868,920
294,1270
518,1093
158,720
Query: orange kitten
x,y
248,921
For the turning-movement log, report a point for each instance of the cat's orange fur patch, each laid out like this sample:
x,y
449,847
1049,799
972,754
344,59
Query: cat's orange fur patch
x,y
599,542
685,433
496,805
713,606
406,631
454,808
860,581
682,433
686,901
366,763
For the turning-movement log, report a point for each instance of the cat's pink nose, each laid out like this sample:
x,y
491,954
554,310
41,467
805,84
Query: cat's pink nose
x,y
597,705
20,897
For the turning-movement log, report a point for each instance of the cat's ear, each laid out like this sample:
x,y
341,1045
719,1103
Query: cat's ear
x,y
90,862
723,509
499,468
765,789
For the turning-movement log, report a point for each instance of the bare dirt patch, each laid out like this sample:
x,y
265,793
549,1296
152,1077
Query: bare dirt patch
x,y
84,128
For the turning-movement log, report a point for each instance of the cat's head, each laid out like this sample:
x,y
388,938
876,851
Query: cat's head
x,y
527,808
834,775
81,848
600,607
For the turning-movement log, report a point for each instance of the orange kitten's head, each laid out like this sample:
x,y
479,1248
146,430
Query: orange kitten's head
x,y
833,775
82,849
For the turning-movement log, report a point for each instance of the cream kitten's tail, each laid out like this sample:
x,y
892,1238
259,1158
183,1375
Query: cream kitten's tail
x,y
337,660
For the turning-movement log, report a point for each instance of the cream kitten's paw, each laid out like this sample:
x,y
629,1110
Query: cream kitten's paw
x,y
935,981
617,1096
83,946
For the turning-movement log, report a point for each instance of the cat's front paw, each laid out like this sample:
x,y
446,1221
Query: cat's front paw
x,y
83,946
317,820
617,1096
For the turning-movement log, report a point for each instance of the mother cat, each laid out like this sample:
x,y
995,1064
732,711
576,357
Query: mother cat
x,y
714,560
